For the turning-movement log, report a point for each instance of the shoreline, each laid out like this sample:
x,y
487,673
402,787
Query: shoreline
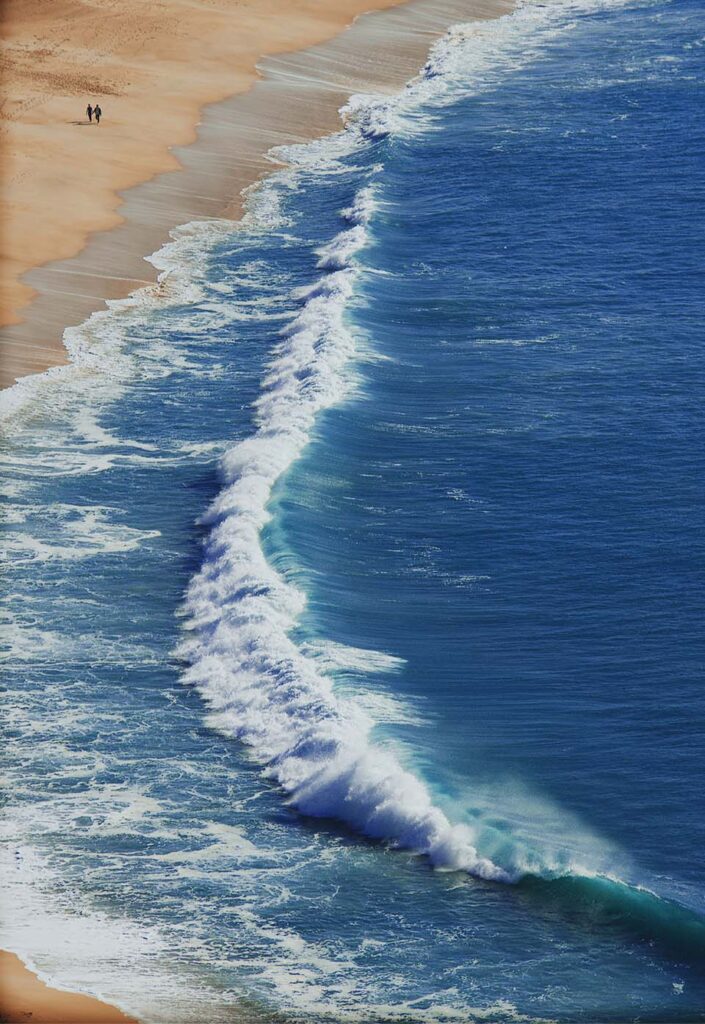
x,y
293,95
24,996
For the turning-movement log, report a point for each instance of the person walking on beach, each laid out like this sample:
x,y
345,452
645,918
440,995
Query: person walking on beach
x,y
98,112
89,111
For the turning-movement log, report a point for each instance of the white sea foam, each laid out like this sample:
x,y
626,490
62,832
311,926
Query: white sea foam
x,y
226,841
100,365
468,59
362,206
67,532
260,686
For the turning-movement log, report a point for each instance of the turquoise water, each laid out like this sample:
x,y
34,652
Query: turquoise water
x,y
403,481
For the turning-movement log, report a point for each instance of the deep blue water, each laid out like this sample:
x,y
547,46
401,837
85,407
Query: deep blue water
x,y
450,613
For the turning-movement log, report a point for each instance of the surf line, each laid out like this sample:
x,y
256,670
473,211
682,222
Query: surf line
x,y
258,685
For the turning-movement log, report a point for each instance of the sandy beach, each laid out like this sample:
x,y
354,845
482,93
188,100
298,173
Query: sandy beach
x,y
23,997
75,231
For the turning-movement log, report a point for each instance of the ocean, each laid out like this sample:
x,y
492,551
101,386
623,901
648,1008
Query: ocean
x,y
353,600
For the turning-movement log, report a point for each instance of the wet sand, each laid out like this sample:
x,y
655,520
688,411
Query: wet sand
x,y
76,232
23,997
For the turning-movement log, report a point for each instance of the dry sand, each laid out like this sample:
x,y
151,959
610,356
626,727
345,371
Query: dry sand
x,y
153,66
23,997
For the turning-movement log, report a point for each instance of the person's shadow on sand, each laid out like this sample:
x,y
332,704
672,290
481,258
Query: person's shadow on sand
x,y
81,122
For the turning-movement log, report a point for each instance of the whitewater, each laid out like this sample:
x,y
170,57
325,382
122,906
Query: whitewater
x,y
262,690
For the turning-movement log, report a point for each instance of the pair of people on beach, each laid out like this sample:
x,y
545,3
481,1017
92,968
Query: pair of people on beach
x,y
94,111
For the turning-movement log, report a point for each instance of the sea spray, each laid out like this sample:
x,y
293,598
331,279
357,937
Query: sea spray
x,y
261,688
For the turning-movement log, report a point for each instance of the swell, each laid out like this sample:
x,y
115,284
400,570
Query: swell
x,y
635,913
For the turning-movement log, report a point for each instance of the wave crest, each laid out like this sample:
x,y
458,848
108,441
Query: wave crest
x,y
260,686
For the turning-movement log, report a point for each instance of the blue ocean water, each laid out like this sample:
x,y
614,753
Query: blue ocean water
x,y
403,480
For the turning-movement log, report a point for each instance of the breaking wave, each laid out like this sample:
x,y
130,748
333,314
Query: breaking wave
x,y
277,697
259,685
